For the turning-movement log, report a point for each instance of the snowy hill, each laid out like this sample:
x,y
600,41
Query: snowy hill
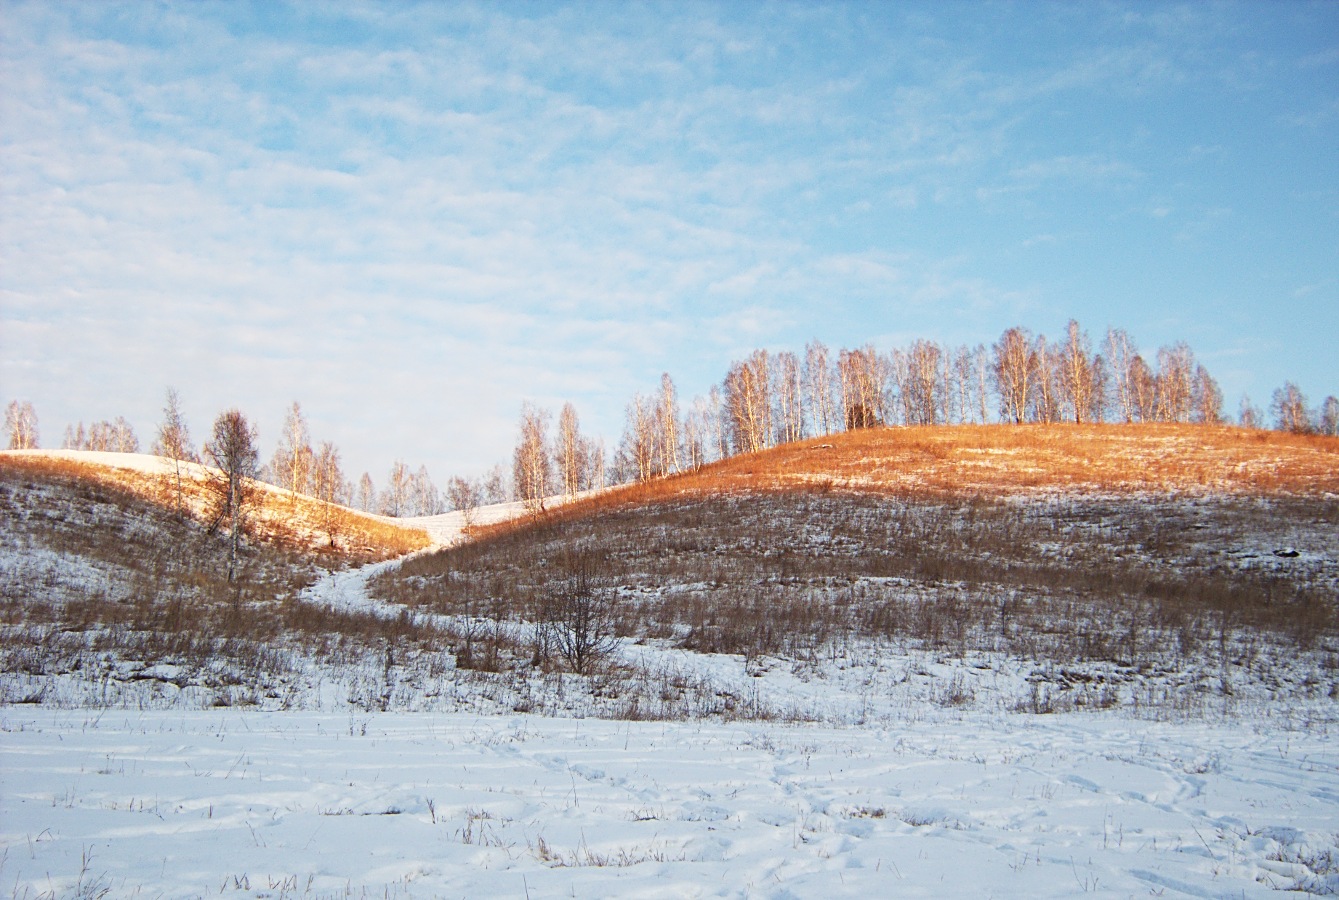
x,y
858,688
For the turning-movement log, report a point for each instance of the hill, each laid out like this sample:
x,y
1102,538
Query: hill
x,y
1018,460
294,521
1122,565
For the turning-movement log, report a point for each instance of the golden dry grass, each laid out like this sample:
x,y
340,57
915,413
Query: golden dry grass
x,y
292,520
928,462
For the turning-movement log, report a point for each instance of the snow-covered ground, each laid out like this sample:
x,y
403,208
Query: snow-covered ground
x,y
881,770
266,804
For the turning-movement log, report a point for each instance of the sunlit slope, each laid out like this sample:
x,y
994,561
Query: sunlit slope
x,y
1000,460
293,520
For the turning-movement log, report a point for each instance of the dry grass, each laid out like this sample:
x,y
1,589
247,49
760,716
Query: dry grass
x,y
1123,545
101,580
292,520
944,462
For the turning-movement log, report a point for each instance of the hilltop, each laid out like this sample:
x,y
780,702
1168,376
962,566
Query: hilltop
x,y
1018,460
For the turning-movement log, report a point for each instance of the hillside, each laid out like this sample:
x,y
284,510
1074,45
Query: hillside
x,y
1021,460
861,674
1161,564
294,521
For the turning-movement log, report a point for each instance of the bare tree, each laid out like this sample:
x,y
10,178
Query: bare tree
x,y
638,449
981,363
292,462
530,461
923,387
1176,369
579,616
719,439
1329,416
327,483
1120,356
1015,366
123,436
962,383
570,451
424,499
174,439
1289,409
818,387
107,437
21,425
495,488
864,382
696,428
464,496
1076,373
1143,387
366,498
231,450
596,477
789,398
1045,381
667,426
1206,398
748,403
395,498
1248,414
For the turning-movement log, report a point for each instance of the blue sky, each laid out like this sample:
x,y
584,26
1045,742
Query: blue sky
x,y
411,218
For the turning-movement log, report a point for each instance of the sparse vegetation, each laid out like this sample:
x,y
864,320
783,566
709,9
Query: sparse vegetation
x,y
1165,558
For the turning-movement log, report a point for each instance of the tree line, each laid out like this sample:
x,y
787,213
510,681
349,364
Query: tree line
x,y
764,400
767,399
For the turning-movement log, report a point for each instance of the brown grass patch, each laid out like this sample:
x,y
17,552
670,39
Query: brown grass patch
x,y
965,461
291,520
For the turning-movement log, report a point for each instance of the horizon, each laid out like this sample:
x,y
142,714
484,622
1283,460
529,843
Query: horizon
x,y
411,219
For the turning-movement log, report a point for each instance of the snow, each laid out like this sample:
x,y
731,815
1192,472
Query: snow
x,y
266,804
873,778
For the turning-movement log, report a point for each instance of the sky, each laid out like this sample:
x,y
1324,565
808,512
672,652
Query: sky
x,y
413,218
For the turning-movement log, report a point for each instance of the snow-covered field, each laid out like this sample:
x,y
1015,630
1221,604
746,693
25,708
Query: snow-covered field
x,y
268,804
873,768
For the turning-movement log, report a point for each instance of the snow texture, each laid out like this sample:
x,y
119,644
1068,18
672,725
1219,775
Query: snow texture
x,y
265,804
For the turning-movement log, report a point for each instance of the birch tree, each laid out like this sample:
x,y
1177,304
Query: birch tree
x,y
366,494
1206,398
1045,382
748,403
291,465
1143,387
1176,366
1329,416
327,480
1076,373
231,451
174,439
464,496
395,496
667,426
21,425
1289,409
530,460
570,451
864,379
1120,357
789,399
638,450
818,387
1014,371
